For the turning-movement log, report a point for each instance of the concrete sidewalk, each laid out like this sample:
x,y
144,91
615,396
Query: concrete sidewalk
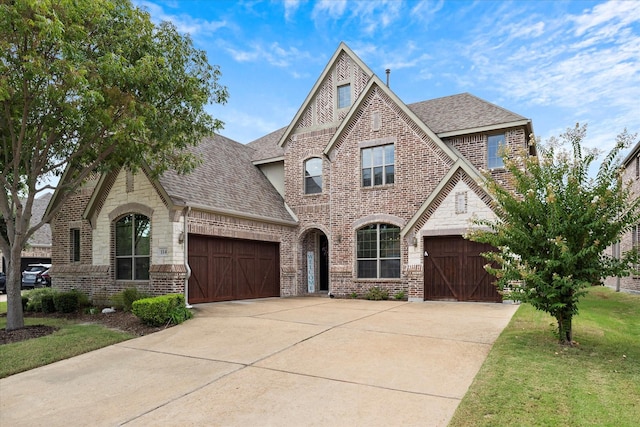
x,y
272,362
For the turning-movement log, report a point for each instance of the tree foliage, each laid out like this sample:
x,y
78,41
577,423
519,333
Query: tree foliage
x,y
91,86
554,225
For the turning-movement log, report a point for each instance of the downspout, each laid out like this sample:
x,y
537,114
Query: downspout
x,y
185,242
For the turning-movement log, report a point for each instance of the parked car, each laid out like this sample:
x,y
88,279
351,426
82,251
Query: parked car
x,y
43,279
30,275
3,282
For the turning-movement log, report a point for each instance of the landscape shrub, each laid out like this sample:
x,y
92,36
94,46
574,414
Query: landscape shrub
x,y
66,302
25,301
47,304
376,294
125,299
35,297
400,295
161,310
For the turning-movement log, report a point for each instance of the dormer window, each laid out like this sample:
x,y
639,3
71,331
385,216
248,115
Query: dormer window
x,y
313,176
344,96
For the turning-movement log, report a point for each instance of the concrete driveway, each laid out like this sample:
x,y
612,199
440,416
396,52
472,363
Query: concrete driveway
x,y
272,362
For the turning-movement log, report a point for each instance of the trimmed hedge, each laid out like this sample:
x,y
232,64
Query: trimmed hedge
x,y
161,310
65,302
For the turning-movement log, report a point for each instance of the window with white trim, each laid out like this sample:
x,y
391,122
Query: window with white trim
x,y
378,251
378,165
313,176
344,96
133,244
495,143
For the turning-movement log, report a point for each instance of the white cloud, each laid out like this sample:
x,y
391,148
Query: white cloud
x,y
186,24
334,9
290,7
273,54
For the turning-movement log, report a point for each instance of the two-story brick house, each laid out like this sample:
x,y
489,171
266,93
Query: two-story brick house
x,y
359,190
630,174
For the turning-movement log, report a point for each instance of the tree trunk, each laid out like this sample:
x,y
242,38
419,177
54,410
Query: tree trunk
x,y
565,333
15,315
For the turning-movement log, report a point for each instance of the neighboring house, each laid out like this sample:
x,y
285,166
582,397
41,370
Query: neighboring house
x,y
360,190
630,174
38,249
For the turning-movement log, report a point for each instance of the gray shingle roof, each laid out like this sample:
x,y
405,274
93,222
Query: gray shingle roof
x,y
42,237
226,180
460,112
267,147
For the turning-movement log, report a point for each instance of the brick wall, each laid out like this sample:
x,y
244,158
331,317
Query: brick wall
x,y
629,283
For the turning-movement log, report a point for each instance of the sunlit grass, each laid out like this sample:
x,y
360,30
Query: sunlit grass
x,y
70,340
528,379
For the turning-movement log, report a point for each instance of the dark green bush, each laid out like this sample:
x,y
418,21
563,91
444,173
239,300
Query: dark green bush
x,y
376,294
161,310
83,299
66,302
35,298
124,300
25,301
47,304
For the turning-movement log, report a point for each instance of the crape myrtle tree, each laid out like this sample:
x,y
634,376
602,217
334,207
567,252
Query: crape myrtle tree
x,y
89,86
553,226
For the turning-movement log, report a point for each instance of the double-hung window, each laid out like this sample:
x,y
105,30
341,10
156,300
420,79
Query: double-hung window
x,y
378,251
133,243
495,144
378,165
313,176
344,96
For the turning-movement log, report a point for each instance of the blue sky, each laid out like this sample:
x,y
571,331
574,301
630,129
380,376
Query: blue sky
x,y
555,62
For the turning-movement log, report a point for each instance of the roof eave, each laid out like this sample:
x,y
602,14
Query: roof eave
x,y
269,160
488,128
241,215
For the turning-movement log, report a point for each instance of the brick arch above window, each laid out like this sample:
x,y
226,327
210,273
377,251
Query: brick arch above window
x,y
378,218
129,208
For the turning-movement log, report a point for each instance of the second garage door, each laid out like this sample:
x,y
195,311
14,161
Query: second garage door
x,y
231,269
454,270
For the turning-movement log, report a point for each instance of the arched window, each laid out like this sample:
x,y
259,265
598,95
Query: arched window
x,y
378,251
133,235
313,176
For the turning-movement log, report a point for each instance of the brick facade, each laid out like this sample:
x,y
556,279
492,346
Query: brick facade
x,y
630,175
430,183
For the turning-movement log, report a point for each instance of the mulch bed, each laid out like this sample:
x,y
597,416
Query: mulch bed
x,y
120,320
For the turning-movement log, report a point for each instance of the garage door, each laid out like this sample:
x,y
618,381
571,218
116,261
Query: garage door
x,y
230,269
454,270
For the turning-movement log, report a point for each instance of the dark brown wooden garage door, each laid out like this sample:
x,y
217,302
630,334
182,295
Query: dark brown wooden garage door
x,y
454,270
230,269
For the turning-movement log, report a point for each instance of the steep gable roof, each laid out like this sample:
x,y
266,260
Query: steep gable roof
x,y
226,182
464,113
376,83
342,48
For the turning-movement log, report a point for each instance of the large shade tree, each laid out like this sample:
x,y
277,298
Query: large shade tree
x,y
88,86
554,225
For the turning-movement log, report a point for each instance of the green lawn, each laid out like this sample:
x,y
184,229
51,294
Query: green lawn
x,y
529,380
70,340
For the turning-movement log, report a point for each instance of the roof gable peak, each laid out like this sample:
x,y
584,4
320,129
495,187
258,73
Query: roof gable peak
x,y
320,107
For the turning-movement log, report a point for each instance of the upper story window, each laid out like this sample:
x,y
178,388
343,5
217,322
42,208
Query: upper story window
x,y
494,145
344,96
133,244
378,252
378,165
313,176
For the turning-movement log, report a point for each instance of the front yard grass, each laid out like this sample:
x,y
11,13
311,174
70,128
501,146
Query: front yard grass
x,y
71,339
528,379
